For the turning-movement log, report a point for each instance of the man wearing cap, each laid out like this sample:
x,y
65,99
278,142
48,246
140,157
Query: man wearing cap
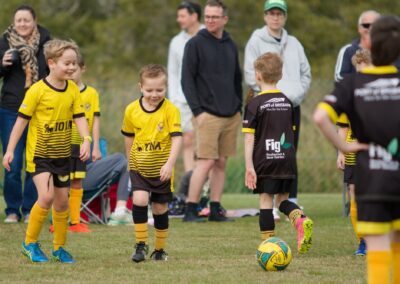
x,y
296,77
343,62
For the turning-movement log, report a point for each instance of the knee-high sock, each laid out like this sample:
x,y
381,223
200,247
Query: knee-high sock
x,y
75,201
139,214
396,263
267,223
353,216
36,219
161,225
60,223
379,266
292,210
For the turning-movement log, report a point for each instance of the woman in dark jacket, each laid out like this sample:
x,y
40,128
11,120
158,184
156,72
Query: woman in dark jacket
x,y
22,64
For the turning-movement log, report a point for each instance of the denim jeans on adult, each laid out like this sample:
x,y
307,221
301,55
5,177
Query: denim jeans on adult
x,y
17,201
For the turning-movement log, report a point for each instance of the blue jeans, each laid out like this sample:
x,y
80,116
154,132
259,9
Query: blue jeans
x,y
16,201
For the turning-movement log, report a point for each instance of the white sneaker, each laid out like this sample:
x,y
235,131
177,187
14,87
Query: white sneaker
x,y
275,212
121,216
26,218
11,219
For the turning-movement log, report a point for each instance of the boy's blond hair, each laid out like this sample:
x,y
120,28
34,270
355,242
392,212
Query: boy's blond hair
x,y
361,56
269,65
152,71
55,48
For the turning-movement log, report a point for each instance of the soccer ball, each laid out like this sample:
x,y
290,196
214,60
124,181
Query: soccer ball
x,y
273,254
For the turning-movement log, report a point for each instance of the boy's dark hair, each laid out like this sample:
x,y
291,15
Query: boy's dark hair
x,y
385,40
152,71
26,8
218,3
192,8
269,65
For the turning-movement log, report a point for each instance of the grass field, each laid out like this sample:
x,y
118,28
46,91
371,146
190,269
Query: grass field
x,y
198,253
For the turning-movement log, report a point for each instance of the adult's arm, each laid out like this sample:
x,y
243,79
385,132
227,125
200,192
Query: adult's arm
x,y
3,48
238,81
305,74
343,63
190,65
250,55
173,72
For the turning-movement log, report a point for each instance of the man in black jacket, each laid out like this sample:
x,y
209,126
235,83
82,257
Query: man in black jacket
x,y
212,84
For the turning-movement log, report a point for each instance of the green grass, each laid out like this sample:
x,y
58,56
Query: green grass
x,y
198,253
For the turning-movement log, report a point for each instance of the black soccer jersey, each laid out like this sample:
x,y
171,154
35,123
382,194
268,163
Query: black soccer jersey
x,y
371,101
270,117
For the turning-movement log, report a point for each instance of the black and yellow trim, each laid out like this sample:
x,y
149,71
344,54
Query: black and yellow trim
x,y
24,116
276,91
248,130
96,113
329,109
78,115
150,111
174,134
77,175
380,70
377,228
127,134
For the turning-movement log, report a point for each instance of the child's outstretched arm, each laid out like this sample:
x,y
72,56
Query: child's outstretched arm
x,y
96,154
250,176
81,124
166,170
322,120
128,146
15,135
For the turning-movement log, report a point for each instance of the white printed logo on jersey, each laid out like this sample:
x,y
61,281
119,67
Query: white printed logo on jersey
x,y
381,159
380,90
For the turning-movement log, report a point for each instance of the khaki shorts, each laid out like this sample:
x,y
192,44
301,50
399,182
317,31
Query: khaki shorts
x,y
216,136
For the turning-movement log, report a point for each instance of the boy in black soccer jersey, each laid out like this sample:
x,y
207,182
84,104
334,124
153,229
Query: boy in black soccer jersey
x,y
371,101
153,137
50,106
269,151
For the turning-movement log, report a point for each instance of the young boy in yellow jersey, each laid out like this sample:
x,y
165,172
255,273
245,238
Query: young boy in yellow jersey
x,y
50,107
153,137
270,153
91,105
371,101
346,162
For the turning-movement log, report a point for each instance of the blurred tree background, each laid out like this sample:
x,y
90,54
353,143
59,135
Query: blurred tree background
x,y
117,37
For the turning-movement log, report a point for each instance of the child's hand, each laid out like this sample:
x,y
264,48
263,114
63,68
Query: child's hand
x,y
96,154
166,172
85,151
340,161
251,178
7,159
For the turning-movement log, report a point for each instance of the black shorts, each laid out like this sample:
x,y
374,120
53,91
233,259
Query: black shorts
x,y
348,176
78,167
59,168
377,218
274,186
160,192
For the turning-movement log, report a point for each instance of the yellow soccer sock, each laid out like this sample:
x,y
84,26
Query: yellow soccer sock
x,y
36,219
379,266
75,201
141,232
161,239
396,262
267,234
60,223
353,217
294,215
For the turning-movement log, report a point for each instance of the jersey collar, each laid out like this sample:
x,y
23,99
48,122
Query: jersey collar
x,y
389,69
269,92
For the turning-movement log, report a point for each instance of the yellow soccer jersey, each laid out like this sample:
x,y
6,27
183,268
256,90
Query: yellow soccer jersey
x,y
50,112
343,121
152,133
91,105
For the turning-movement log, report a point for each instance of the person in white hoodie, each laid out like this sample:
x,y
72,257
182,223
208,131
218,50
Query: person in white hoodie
x,y
296,77
188,18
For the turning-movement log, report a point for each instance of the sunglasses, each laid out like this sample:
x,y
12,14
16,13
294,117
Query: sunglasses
x,y
366,25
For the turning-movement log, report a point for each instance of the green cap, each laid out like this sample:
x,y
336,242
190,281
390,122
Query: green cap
x,y
271,4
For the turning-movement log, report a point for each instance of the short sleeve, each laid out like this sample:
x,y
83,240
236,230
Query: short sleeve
x,y
127,128
174,121
343,121
78,110
29,103
96,104
249,123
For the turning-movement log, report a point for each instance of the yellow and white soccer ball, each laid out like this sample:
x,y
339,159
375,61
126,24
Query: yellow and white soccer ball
x,y
273,254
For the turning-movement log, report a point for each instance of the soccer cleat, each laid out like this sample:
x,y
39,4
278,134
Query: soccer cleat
x,y
362,249
79,228
62,256
192,217
159,255
120,217
141,250
34,253
219,215
51,228
304,228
